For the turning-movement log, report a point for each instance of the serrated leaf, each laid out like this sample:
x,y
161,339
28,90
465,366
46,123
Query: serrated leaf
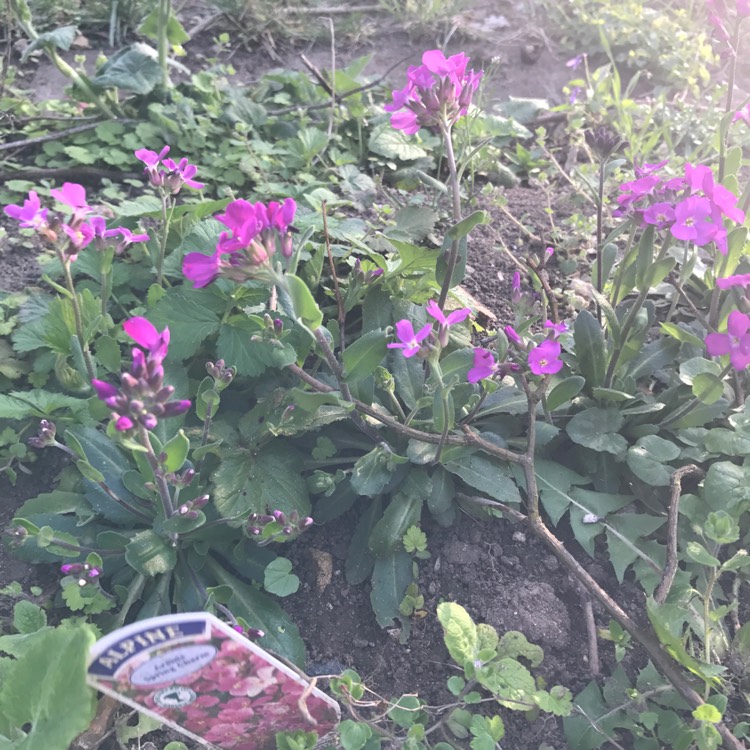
x,y
49,713
149,554
459,632
247,483
394,144
134,68
28,617
189,318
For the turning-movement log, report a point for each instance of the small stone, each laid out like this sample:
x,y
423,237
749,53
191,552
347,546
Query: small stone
x,y
360,642
519,537
432,588
550,563
323,563
510,561
461,553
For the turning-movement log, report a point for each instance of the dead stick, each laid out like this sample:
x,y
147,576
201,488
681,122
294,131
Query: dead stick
x,y
588,613
58,134
670,566
318,76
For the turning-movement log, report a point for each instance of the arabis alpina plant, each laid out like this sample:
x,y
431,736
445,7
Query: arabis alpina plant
x,y
165,173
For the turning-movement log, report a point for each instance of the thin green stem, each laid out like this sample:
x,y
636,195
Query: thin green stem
x,y
165,9
734,50
452,259
134,593
599,234
77,318
161,483
167,210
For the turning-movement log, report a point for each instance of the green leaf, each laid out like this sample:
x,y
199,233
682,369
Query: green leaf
x,y
363,355
263,613
406,711
681,334
149,554
359,558
558,701
708,388
49,713
176,449
190,318
394,144
565,391
354,734
459,632
707,712
621,546
152,28
371,472
134,68
413,223
247,483
727,442
725,486
40,404
462,228
28,617
61,38
390,577
279,579
108,353
645,260
596,428
647,457
486,475
305,307
696,551
590,348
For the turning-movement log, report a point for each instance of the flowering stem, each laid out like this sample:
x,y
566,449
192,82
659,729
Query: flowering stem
x,y
161,482
621,273
163,42
452,259
65,263
599,232
167,209
713,310
106,278
692,404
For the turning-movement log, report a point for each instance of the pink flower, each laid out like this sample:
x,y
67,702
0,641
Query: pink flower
x,y
735,342
484,365
152,160
693,221
181,174
409,341
556,328
544,358
742,279
512,335
127,238
73,195
144,333
31,215
742,114
201,269
661,215
457,316
80,236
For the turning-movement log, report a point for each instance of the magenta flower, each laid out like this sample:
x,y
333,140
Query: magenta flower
x,y
512,335
80,236
144,333
735,342
438,92
556,328
645,169
742,279
201,269
483,367
742,114
409,341
693,221
544,359
31,215
181,174
661,215
73,195
457,316
127,238
152,160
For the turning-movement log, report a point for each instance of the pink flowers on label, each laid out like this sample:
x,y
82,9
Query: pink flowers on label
x,y
439,91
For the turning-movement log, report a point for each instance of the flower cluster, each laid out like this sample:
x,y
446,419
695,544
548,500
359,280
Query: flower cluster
x,y
142,398
85,573
80,228
719,15
254,232
241,700
165,173
439,91
277,526
692,207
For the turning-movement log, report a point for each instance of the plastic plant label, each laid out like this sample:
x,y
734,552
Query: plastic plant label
x,y
195,674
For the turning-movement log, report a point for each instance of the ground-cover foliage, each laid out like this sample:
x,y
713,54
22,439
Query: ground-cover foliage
x,y
292,363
